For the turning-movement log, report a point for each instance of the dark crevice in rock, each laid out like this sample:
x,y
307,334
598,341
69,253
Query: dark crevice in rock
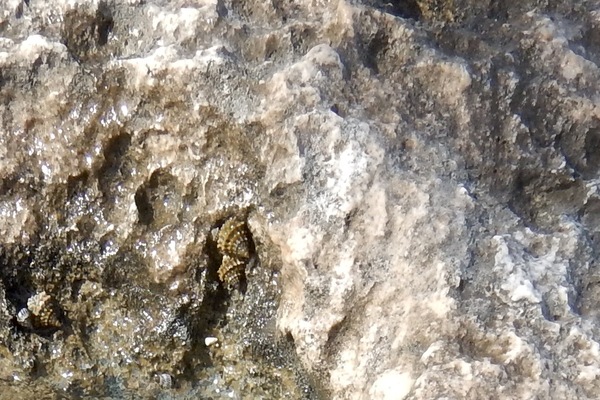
x,y
104,23
77,185
144,206
113,170
408,9
302,38
159,199
85,32
16,280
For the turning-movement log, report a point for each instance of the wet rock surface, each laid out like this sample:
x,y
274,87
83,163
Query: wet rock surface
x,y
415,187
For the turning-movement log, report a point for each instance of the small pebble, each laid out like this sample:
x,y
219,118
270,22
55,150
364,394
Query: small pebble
x,y
210,340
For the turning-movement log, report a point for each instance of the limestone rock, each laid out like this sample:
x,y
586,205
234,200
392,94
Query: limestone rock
x,y
419,179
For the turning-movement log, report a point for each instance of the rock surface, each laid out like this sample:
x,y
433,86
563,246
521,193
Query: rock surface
x,y
420,183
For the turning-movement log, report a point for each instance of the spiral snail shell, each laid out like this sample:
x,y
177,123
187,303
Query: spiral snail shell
x,y
41,313
164,380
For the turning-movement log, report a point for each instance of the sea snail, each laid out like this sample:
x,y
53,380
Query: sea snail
x,y
235,245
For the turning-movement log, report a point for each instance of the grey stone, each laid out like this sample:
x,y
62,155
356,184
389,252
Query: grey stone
x,y
420,180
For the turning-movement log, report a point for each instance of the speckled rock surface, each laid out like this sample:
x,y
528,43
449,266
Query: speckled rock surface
x,y
419,182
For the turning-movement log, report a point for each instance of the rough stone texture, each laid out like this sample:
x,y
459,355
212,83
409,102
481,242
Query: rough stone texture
x,y
420,179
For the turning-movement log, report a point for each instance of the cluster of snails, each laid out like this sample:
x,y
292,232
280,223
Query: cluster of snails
x,y
235,246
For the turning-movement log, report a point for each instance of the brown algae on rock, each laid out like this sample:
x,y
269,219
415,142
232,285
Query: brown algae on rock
x,y
67,320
